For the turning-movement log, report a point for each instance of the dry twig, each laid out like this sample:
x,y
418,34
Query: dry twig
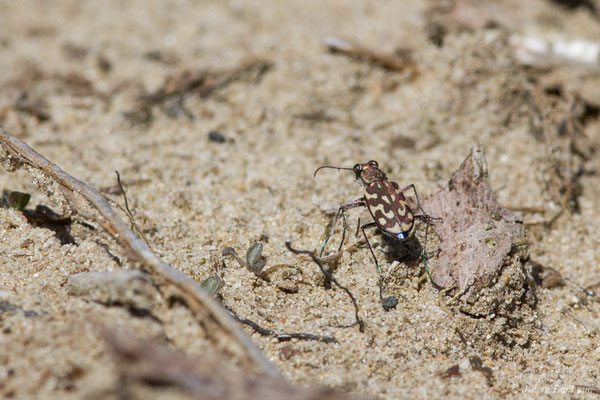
x,y
283,336
329,277
388,61
141,363
336,256
88,202
200,82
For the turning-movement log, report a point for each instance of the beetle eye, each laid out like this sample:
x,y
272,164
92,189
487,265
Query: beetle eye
x,y
374,163
357,169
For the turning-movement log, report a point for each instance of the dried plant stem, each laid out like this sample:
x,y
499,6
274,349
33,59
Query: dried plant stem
x,y
103,214
156,367
282,336
338,255
331,278
388,61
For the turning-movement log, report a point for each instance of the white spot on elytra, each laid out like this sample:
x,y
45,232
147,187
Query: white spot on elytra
x,y
394,229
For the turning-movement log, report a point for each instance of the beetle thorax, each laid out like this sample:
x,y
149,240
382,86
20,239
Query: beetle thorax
x,y
371,174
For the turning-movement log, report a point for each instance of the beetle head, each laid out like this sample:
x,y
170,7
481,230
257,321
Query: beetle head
x,y
366,173
369,172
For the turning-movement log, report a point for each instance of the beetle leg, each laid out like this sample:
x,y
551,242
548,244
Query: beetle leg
x,y
341,212
380,281
423,217
412,186
427,219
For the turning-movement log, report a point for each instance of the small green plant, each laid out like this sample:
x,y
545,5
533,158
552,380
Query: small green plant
x,y
212,284
17,200
255,261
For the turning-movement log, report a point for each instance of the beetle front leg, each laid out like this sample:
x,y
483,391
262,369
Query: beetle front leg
x,y
341,212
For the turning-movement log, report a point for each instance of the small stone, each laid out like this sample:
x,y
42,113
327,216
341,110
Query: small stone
x,y
287,286
551,280
287,352
389,303
453,371
216,137
127,287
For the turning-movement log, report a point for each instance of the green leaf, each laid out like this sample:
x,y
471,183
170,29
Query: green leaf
x,y
253,254
258,266
212,284
18,200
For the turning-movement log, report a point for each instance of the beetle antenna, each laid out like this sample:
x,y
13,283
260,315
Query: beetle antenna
x,y
331,166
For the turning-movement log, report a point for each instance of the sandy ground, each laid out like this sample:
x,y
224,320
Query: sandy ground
x,y
82,66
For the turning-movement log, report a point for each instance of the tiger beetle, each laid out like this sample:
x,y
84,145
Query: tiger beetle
x,y
390,211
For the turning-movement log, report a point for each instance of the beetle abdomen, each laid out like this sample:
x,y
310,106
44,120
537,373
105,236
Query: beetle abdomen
x,y
389,208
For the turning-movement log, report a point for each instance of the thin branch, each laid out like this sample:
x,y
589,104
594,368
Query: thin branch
x,y
197,299
388,61
282,336
336,256
331,278
139,363
128,211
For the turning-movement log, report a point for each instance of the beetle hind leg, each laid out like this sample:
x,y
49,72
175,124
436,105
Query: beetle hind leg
x,y
423,217
428,220
388,302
